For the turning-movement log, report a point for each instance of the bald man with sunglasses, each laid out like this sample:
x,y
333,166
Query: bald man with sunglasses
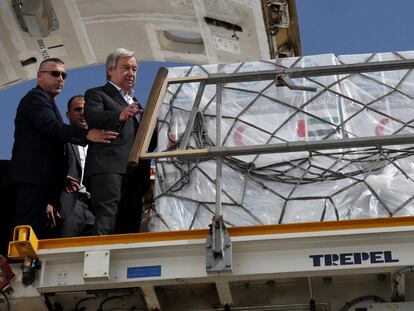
x,y
38,165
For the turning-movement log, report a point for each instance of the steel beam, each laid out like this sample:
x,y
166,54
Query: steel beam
x,y
150,297
295,146
301,72
190,124
255,257
224,292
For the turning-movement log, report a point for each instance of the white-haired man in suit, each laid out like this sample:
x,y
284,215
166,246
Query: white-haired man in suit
x,y
117,190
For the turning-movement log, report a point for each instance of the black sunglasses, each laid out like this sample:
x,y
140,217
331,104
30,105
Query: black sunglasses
x,y
56,73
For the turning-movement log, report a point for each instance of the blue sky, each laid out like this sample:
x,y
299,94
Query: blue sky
x,y
326,26
355,26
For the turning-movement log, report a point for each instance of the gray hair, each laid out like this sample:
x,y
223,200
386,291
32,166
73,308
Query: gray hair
x,y
112,59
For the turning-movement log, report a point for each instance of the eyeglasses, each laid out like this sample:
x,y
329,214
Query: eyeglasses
x,y
56,73
78,109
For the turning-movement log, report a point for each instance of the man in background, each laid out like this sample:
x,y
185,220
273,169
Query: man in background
x,y
76,216
38,165
116,189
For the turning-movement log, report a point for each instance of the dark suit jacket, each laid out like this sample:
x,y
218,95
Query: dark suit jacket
x,y
102,108
39,142
68,200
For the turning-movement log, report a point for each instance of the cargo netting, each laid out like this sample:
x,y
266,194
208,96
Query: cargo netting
x,y
320,185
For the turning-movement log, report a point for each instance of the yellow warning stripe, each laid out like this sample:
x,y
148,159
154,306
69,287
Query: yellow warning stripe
x,y
239,231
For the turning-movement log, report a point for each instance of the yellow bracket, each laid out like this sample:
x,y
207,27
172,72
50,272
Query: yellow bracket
x,y
24,244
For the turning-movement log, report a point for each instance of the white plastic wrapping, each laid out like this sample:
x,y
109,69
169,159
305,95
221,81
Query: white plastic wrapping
x,y
288,187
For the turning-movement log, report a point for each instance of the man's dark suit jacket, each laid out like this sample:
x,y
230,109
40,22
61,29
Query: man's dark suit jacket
x,y
77,219
102,108
68,200
39,142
